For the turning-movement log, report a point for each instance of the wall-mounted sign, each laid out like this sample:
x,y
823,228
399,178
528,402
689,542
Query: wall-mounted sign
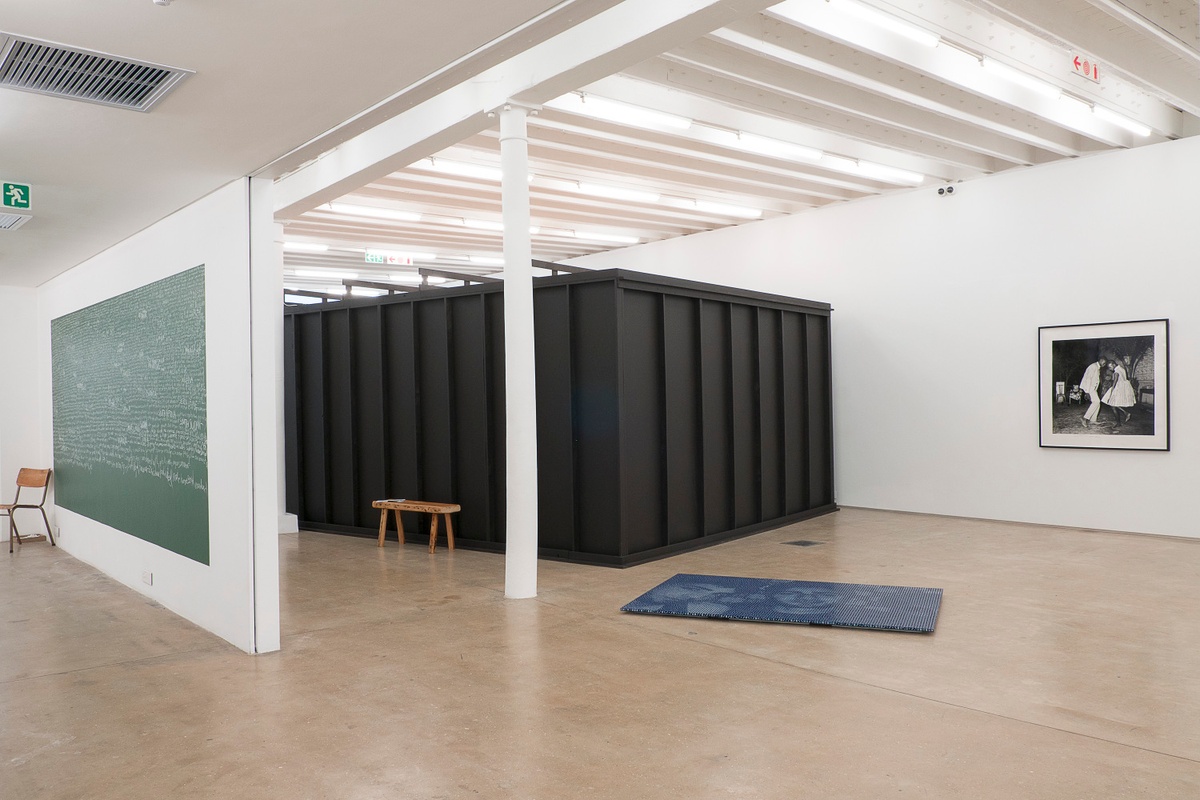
x,y
1085,67
16,195
384,257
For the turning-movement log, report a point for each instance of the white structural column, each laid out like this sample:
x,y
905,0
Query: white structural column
x,y
520,399
266,340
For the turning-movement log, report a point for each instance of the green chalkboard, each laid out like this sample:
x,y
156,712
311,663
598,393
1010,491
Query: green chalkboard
x,y
130,413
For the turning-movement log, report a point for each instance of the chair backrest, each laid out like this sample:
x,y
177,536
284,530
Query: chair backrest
x,y
33,478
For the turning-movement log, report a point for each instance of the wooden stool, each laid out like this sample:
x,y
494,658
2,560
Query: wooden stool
x,y
436,509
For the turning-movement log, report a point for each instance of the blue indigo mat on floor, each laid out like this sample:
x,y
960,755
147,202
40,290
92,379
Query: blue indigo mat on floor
x,y
843,605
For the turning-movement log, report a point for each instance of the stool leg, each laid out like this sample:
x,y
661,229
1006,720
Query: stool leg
x,y
49,532
433,525
399,529
382,525
449,532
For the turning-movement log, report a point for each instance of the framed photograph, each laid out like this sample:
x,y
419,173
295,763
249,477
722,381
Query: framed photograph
x,y
1105,385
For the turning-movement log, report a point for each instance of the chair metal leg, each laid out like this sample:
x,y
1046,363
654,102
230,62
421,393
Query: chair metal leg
x,y
46,520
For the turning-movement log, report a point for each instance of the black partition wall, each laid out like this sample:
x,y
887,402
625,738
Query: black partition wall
x,y
671,414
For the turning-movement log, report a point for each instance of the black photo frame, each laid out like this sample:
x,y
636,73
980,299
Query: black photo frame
x,y
1105,385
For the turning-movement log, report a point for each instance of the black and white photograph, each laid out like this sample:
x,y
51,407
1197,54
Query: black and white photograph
x,y
1104,385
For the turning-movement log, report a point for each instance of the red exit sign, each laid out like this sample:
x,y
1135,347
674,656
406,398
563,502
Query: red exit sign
x,y
1086,68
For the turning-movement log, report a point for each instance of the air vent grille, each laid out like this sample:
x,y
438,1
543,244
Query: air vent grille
x,y
30,65
10,222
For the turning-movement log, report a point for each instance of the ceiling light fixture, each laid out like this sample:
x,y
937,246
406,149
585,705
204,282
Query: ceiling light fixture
x,y
462,169
306,247
868,169
869,15
491,225
888,174
335,274
1021,78
487,261
589,105
617,192
615,238
728,210
1121,121
762,145
375,212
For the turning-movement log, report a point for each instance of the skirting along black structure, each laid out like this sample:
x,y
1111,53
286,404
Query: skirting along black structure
x,y
671,414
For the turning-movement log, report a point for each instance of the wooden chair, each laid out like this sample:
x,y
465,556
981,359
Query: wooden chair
x,y
28,479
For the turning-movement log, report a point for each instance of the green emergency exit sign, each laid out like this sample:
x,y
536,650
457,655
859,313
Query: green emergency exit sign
x,y
16,195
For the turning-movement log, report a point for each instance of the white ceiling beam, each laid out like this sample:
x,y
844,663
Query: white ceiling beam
x,y
954,66
673,177
1069,21
838,125
674,100
625,34
856,89
1049,61
661,165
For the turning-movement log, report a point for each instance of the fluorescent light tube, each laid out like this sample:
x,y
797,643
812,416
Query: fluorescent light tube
x,y
617,192
487,261
490,225
366,291
374,211
1121,121
871,16
335,274
607,237
1021,78
589,105
888,174
776,148
306,247
867,169
408,277
727,210
463,169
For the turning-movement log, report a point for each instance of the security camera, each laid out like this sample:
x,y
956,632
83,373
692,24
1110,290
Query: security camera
x,y
945,190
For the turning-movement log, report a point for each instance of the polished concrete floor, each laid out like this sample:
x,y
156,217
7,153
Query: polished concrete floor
x,y
1066,664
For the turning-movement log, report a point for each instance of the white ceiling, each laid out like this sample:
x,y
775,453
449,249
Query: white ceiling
x,y
271,75
276,80
806,72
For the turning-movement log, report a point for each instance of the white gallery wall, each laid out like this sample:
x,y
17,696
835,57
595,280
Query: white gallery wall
x,y
19,439
215,231
937,303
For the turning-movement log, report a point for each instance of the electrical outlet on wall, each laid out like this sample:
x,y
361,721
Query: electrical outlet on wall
x,y
148,578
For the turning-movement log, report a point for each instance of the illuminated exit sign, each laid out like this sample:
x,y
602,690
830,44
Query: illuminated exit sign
x,y
1086,68
16,195
384,257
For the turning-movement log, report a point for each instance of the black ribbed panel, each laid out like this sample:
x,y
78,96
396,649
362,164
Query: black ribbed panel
x,y
670,414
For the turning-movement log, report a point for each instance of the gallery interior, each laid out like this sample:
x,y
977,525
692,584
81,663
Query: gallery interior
x,y
890,293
